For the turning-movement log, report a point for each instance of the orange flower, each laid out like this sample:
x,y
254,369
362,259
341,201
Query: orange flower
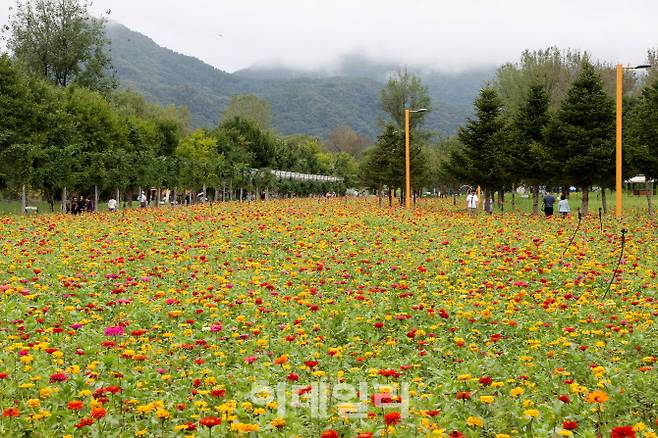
x,y
98,413
10,412
597,396
75,405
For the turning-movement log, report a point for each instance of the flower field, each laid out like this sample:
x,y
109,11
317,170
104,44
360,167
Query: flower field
x,y
326,318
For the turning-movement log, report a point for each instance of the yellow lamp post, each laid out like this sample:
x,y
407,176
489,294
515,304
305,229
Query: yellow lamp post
x,y
618,158
407,159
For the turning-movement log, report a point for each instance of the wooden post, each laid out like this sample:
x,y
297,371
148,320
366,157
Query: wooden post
x,y
95,197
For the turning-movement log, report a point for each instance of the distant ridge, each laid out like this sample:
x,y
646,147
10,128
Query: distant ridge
x,y
310,102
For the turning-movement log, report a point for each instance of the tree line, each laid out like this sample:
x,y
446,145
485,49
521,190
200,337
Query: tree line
x,y
547,121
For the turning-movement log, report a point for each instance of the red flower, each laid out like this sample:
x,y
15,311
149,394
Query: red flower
x,y
364,435
622,432
10,412
564,398
329,434
570,425
379,324
486,380
98,413
463,395
3,376
75,405
57,377
210,421
84,422
456,434
392,418
293,377
311,363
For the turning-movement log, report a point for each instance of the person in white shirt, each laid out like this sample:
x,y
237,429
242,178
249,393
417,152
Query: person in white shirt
x,y
142,200
472,202
563,206
112,204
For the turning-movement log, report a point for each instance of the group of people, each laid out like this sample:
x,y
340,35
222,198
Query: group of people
x,y
549,201
81,205
562,207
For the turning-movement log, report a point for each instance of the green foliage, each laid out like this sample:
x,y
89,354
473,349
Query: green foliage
x,y
642,133
405,91
59,41
581,136
486,158
249,107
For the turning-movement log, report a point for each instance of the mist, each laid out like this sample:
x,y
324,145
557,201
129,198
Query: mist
x,y
447,36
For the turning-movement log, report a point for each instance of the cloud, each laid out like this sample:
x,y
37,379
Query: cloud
x,y
447,35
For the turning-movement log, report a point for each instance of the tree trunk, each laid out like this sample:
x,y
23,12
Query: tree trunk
x,y
204,193
157,197
216,194
267,193
230,191
513,198
584,209
415,197
223,191
174,199
488,201
95,197
390,197
118,199
64,201
604,201
649,188
501,200
535,200
23,199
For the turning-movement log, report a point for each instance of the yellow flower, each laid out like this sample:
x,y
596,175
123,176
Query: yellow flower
x,y
532,413
278,423
517,391
33,402
488,399
475,421
502,435
162,414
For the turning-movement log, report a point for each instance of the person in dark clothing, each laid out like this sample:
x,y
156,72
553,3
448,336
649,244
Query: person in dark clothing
x,y
75,207
89,206
549,201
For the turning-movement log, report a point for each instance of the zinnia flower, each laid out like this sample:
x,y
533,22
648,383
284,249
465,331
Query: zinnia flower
x,y
329,434
114,331
210,421
622,432
597,396
392,418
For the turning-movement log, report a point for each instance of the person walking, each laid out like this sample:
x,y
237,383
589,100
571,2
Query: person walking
x,y
472,202
549,201
563,206
142,200
112,204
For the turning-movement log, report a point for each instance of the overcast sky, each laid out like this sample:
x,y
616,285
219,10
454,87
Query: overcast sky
x,y
449,35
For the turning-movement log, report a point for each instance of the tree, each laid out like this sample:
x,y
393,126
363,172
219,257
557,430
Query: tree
x,y
59,41
581,136
261,145
531,161
405,91
643,130
345,139
249,107
485,159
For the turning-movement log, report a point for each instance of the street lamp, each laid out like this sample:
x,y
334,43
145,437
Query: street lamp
x,y
407,165
618,182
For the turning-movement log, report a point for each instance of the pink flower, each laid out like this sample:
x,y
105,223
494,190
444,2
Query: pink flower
x,y
216,327
114,331
250,359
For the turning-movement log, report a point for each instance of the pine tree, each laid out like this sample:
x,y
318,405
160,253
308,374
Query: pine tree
x,y
581,136
486,157
532,163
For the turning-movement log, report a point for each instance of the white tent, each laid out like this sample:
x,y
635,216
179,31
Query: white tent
x,y
639,179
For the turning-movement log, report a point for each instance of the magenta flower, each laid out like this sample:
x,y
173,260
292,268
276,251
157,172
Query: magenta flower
x,y
250,359
114,331
216,327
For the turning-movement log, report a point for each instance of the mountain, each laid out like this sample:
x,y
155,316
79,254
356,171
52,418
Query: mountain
x,y
311,102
